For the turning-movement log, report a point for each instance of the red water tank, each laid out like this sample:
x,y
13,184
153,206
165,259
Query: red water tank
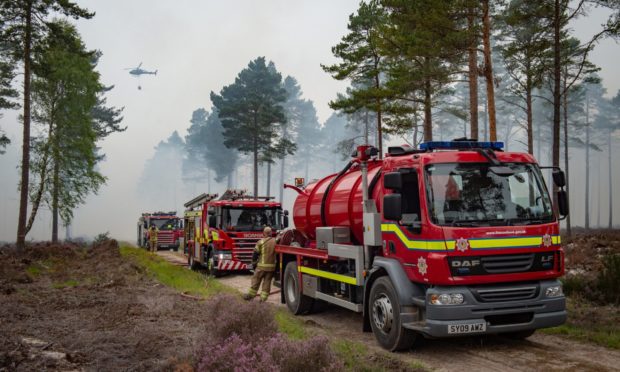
x,y
342,206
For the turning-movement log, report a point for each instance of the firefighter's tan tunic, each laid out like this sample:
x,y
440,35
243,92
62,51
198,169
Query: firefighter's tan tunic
x,y
264,268
153,231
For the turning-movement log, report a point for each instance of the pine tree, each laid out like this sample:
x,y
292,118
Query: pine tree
x,y
23,24
68,101
425,44
251,113
525,50
363,64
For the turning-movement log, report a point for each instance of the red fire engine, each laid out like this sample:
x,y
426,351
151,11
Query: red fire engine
x,y
455,238
220,233
170,229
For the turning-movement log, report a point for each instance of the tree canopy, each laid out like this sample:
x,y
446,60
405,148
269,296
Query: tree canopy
x,y
251,113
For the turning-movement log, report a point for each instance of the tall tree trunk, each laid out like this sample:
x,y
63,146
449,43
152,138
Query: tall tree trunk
x,y
428,117
488,68
415,132
486,120
208,180
255,151
598,191
609,178
55,197
587,211
379,129
306,171
472,51
557,74
36,202
366,126
528,104
566,168
23,196
281,185
268,179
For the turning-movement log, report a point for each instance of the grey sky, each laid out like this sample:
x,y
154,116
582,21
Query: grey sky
x,y
197,47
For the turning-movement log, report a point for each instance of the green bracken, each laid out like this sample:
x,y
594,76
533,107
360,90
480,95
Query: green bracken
x,y
179,278
66,284
591,322
290,325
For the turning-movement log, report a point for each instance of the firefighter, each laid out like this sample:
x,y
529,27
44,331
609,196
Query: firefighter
x,y
264,263
153,231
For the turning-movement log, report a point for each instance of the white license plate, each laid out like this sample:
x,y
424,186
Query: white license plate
x,y
467,328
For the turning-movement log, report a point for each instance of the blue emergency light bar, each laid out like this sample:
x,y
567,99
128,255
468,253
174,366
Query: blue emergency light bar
x,y
460,145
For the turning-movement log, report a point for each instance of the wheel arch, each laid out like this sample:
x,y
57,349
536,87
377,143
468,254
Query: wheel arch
x,y
405,288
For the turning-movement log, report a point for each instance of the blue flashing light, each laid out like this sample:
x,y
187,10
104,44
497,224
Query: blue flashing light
x,y
460,145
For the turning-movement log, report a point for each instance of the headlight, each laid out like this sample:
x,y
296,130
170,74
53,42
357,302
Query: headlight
x,y
225,256
555,291
447,299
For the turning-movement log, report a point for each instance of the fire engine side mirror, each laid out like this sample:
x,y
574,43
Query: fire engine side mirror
x,y
285,221
393,181
393,207
212,222
563,203
558,178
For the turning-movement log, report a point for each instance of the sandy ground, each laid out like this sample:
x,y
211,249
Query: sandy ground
x,y
539,352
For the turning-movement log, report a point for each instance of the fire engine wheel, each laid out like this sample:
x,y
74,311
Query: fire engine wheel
x,y
384,311
191,264
211,270
297,302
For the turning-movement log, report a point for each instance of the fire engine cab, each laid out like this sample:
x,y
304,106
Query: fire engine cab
x,y
220,233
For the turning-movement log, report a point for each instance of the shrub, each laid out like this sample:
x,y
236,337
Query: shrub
x,y
273,353
242,336
100,238
608,280
233,354
574,285
248,320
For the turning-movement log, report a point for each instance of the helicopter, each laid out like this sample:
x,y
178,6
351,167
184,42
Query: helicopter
x,y
137,71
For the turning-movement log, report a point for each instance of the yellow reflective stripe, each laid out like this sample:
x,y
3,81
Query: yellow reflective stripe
x,y
266,265
426,245
215,235
435,245
530,241
327,275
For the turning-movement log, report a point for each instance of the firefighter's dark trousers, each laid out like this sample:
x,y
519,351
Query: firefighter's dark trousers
x,y
261,276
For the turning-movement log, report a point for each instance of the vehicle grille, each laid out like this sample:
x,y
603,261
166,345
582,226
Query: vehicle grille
x,y
501,264
512,293
244,248
165,238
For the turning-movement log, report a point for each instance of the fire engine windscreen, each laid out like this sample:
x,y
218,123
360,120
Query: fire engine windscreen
x,y
470,194
250,219
165,224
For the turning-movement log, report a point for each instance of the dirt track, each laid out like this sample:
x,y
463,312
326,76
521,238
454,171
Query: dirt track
x,y
539,352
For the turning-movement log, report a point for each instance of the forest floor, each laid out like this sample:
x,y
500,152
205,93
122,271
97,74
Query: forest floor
x,y
71,308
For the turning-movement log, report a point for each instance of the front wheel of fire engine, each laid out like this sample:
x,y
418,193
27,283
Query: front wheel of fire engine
x,y
384,309
191,264
297,302
211,269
